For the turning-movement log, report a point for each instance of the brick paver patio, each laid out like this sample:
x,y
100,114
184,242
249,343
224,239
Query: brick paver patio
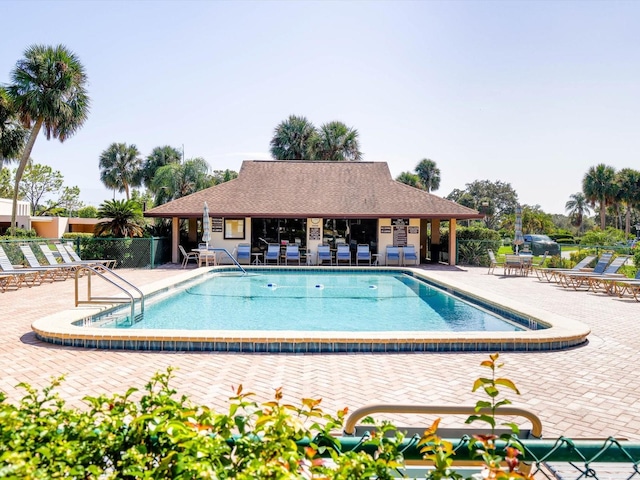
x,y
590,391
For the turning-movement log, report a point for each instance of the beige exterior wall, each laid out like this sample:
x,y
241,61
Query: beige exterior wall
x,y
56,227
23,214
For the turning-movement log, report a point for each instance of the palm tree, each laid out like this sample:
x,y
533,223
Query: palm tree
x,y
48,89
429,174
120,166
12,133
293,139
599,186
159,157
124,217
179,180
577,206
337,142
410,179
628,181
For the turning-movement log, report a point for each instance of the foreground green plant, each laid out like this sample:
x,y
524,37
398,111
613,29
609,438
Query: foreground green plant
x,y
157,434
441,452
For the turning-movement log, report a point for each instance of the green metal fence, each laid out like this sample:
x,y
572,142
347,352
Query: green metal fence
x,y
128,252
561,458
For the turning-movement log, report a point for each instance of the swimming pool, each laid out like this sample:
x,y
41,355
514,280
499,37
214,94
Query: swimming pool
x,y
315,301
78,328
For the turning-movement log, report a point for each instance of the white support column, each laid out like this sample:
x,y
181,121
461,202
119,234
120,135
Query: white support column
x,y
452,241
175,239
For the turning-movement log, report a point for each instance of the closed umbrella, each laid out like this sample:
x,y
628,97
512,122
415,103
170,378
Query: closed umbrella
x,y
206,225
518,239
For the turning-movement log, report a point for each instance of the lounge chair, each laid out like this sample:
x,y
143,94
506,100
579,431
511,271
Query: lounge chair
x,y
343,254
363,254
409,255
621,286
243,253
292,253
618,285
272,254
392,256
596,282
324,255
552,274
69,256
15,277
604,266
48,272
186,256
493,262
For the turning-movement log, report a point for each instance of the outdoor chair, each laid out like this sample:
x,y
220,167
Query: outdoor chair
x,y
272,254
48,272
409,255
292,253
343,254
324,255
592,279
534,266
392,256
15,277
186,256
493,262
513,265
69,256
363,254
564,278
552,274
626,285
243,253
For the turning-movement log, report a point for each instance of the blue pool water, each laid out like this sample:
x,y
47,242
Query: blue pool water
x,y
316,301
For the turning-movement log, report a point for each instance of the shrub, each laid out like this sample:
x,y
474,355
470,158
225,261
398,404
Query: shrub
x,y
473,243
609,236
157,434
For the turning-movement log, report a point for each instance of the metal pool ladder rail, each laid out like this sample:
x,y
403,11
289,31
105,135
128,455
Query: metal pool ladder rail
x,y
114,279
350,427
224,250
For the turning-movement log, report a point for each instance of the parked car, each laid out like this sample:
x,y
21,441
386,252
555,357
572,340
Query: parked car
x,y
538,244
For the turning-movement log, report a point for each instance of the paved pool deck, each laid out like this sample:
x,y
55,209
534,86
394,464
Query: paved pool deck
x,y
592,391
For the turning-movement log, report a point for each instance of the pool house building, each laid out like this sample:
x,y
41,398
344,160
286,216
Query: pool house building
x,y
312,203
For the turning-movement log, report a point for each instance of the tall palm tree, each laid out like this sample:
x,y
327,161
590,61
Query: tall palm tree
x,y
120,166
293,139
599,186
159,157
337,142
48,90
124,219
179,180
628,181
577,206
12,133
429,174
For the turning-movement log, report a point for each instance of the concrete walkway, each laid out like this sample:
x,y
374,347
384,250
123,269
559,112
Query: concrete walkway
x,y
591,391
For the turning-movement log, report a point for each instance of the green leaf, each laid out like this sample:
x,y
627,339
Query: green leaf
x,y
507,383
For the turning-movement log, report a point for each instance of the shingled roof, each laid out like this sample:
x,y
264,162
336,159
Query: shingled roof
x,y
298,189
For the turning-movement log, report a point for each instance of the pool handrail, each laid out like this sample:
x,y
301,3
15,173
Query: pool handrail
x,y
100,270
224,250
350,423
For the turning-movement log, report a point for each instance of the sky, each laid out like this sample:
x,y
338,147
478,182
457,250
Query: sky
x,y
527,93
